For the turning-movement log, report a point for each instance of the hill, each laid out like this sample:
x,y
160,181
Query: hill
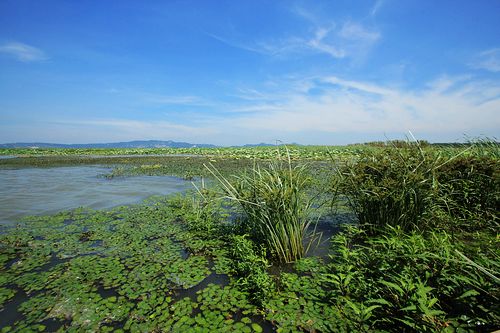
x,y
129,144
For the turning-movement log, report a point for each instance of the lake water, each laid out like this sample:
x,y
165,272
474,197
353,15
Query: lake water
x,y
40,191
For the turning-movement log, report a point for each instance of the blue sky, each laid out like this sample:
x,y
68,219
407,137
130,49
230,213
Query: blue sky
x,y
235,72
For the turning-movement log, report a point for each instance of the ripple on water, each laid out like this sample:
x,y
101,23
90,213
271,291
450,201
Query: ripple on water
x,y
41,191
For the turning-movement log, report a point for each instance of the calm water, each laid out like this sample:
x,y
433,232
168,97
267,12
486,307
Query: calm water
x,y
36,191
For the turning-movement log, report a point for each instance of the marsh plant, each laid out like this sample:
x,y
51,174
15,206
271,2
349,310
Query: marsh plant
x,y
200,210
250,265
276,206
470,186
394,186
406,281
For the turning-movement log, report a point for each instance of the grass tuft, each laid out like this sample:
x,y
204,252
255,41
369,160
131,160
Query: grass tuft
x,y
276,206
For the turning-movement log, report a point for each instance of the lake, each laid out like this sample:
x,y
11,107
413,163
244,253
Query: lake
x,y
40,191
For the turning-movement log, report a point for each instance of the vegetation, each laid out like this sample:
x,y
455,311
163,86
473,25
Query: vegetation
x,y
395,187
295,152
276,207
400,281
421,254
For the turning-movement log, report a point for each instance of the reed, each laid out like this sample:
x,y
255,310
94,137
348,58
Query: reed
x,y
275,205
394,186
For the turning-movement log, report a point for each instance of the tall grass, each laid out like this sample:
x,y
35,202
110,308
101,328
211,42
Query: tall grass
x,y
416,188
276,206
393,186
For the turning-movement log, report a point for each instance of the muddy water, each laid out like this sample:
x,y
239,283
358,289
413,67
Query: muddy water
x,y
40,191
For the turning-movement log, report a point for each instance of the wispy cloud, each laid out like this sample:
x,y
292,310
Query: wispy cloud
x,y
234,43
160,99
322,42
376,7
488,60
360,86
127,129
23,52
176,100
446,105
338,40
357,32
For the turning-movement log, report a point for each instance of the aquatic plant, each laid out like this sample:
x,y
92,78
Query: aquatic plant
x,y
149,267
401,281
470,192
276,206
249,265
394,186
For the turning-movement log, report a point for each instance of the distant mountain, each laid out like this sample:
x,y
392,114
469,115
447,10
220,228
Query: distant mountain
x,y
130,144
262,144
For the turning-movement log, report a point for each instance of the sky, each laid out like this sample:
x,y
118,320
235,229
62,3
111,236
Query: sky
x,y
236,72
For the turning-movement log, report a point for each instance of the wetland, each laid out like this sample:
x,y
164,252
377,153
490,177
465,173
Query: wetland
x,y
299,239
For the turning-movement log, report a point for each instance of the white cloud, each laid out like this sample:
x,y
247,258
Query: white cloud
x,y
351,39
321,43
376,7
361,86
348,39
23,52
343,111
356,31
488,60
105,130
458,106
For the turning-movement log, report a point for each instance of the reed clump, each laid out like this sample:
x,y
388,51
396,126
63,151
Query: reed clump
x,y
393,186
276,206
418,189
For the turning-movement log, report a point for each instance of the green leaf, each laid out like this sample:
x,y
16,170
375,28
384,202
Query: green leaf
x,y
256,327
393,286
412,307
353,307
432,302
380,301
469,293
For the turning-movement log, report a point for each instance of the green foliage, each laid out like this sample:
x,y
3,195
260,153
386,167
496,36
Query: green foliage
x,y
130,269
470,188
395,187
276,207
201,212
418,190
250,265
408,282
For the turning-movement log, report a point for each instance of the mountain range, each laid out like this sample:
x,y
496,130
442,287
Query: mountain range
x,y
129,144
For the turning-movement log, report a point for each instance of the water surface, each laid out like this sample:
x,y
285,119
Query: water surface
x,y
40,191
